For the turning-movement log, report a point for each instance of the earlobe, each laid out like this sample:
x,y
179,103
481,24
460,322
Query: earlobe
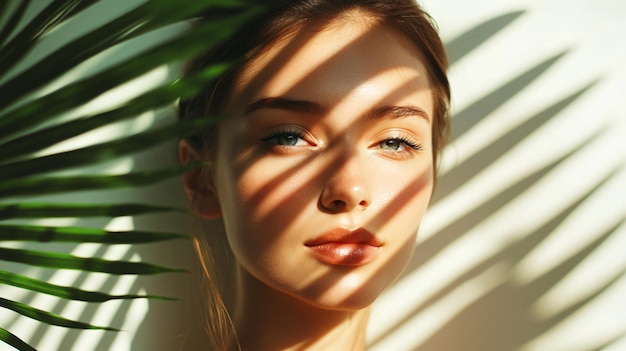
x,y
198,183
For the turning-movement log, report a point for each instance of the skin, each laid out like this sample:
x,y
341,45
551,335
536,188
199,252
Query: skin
x,y
287,172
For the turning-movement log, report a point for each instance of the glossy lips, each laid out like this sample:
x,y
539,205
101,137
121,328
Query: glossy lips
x,y
345,247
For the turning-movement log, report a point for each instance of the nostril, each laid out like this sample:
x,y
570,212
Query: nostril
x,y
338,204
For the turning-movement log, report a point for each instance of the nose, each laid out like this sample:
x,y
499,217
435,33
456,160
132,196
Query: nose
x,y
346,187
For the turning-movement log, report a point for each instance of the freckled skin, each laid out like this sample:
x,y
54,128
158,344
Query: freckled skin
x,y
340,172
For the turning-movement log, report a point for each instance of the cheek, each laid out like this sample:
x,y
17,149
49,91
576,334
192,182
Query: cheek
x,y
275,191
412,200
405,193
264,202
262,198
402,214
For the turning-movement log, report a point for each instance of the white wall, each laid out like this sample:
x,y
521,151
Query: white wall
x,y
523,248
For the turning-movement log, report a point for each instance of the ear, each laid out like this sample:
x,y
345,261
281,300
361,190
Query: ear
x,y
199,184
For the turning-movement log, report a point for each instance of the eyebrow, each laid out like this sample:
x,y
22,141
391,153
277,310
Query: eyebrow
x,y
314,108
395,112
280,103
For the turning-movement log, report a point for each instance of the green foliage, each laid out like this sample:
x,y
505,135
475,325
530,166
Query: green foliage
x,y
33,119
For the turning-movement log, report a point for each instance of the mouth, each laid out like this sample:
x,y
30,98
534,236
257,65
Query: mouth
x,y
345,247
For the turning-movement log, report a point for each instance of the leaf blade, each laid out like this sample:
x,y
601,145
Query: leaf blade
x,y
47,317
13,20
55,13
55,185
11,339
67,292
100,152
184,46
78,210
156,98
82,235
89,264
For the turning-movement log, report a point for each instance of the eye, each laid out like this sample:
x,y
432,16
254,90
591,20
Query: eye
x,y
284,139
286,136
400,144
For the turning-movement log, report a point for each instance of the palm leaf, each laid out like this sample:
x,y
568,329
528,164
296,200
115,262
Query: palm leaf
x,y
55,13
98,153
81,235
13,20
87,89
153,99
152,15
32,120
46,317
51,185
65,292
12,340
89,264
65,210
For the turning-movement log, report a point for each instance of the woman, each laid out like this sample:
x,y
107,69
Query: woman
x,y
321,169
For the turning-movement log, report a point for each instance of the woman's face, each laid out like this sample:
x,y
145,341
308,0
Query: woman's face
x,y
324,167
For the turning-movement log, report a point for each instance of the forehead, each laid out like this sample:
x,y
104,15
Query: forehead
x,y
344,59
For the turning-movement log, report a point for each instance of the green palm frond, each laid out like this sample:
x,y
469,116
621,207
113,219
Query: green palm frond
x,y
47,317
91,264
12,340
64,210
33,118
66,292
81,235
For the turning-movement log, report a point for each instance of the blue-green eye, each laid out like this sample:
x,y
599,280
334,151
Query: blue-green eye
x,y
391,144
399,144
284,139
285,136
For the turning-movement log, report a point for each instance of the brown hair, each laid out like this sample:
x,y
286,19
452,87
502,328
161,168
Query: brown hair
x,y
285,17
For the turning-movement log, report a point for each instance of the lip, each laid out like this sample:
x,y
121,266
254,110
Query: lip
x,y
345,247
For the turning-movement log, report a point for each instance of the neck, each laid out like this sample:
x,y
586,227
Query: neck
x,y
266,319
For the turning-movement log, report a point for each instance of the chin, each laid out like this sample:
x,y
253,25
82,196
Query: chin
x,y
351,293
350,304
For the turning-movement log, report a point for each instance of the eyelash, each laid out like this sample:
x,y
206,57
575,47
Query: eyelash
x,y
412,144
